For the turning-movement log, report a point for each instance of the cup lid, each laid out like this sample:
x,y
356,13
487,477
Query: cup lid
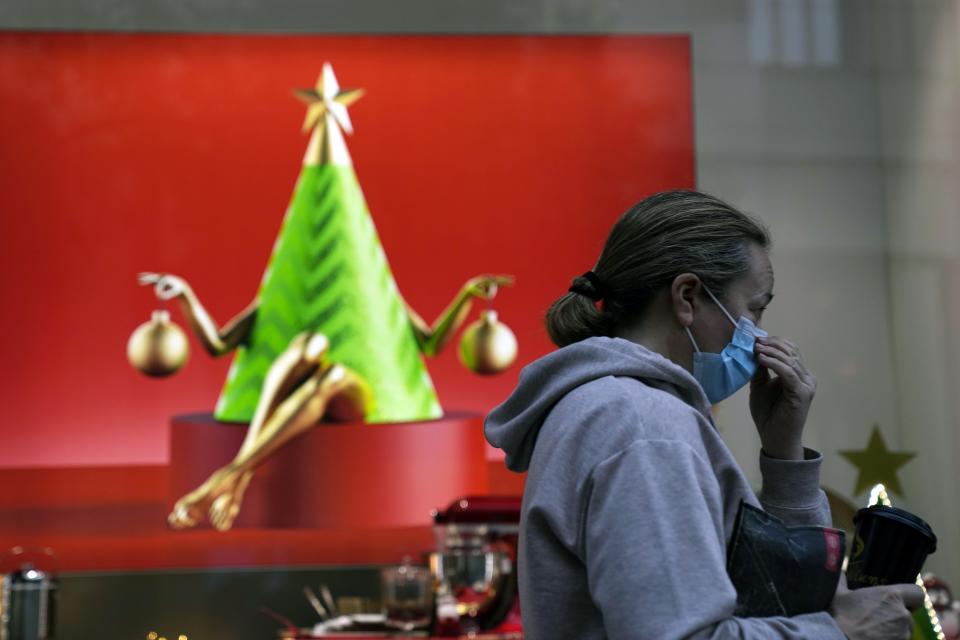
x,y
901,516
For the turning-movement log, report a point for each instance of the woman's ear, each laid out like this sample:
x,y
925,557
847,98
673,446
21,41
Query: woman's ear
x,y
683,296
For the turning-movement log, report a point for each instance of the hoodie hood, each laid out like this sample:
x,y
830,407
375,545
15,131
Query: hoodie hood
x,y
514,424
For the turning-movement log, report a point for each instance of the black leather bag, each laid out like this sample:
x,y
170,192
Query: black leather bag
x,y
780,570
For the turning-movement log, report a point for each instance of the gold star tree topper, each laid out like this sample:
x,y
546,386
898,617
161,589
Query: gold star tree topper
x,y
876,464
327,119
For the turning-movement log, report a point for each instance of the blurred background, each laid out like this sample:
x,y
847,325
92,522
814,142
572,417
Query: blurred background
x,y
493,137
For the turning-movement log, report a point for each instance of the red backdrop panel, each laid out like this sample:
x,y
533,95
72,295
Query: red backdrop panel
x,y
122,153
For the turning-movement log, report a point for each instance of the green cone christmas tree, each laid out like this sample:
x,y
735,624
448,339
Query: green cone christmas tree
x,y
329,274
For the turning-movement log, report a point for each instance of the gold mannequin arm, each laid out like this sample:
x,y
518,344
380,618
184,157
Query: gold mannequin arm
x,y
432,339
216,341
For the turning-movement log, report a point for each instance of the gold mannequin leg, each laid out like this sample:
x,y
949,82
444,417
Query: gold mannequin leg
x,y
305,353
301,359
300,390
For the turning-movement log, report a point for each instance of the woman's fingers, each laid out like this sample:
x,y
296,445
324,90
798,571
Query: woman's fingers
x,y
787,352
801,384
911,594
781,368
761,377
801,388
780,343
780,354
790,368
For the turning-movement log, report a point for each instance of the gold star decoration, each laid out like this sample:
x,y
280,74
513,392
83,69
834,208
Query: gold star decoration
x,y
876,464
326,116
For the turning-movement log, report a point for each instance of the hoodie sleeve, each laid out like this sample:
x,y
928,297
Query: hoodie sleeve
x,y
652,541
791,489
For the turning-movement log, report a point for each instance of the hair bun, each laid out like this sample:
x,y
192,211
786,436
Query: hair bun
x,y
587,285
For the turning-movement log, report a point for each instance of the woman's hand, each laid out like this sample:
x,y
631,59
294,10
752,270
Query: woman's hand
x,y
165,285
485,286
779,403
876,613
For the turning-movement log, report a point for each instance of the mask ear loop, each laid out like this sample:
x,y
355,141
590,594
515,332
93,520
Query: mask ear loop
x,y
725,312
696,347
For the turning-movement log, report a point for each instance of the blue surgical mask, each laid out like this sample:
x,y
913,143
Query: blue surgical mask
x,y
723,374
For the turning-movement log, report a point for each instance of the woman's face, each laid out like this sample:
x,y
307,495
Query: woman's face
x,y
746,296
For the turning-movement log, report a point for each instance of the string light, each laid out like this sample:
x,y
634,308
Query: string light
x,y
878,496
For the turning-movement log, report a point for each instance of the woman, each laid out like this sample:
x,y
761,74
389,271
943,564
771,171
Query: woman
x,y
631,494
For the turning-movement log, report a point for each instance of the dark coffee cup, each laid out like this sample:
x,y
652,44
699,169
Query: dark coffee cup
x,y
890,546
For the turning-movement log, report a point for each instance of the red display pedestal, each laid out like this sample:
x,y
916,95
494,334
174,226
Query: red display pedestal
x,y
341,475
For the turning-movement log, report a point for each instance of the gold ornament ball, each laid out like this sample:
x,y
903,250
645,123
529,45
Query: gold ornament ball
x,y
488,346
158,348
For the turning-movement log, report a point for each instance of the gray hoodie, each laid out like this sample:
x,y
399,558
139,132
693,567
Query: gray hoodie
x,y
630,500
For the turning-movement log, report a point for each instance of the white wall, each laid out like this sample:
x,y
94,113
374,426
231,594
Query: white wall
x,y
853,164
918,82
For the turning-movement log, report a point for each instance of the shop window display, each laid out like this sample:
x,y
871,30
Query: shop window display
x,y
502,144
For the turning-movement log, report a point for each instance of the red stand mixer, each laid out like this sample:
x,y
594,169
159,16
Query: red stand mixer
x,y
475,566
